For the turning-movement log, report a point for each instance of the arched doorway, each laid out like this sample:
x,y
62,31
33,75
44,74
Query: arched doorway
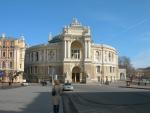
x,y
122,76
76,75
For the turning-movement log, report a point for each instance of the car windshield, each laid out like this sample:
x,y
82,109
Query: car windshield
x,y
67,84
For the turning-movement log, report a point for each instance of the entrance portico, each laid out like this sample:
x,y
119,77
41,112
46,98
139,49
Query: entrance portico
x,y
76,75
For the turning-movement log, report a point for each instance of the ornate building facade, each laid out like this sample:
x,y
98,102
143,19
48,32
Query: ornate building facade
x,y
12,53
72,56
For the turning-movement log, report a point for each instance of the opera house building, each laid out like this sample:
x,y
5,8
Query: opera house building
x,y
72,56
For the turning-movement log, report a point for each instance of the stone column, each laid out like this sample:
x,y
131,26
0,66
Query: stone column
x,y
44,56
0,54
81,77
88,49
69,49
75,78
65,50
85,49
15,56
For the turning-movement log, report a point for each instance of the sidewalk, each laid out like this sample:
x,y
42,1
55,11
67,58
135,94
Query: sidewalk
x,y
136,87
7,86
122,84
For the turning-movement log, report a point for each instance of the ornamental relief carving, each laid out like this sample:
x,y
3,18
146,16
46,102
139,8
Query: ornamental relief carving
x,y
52,55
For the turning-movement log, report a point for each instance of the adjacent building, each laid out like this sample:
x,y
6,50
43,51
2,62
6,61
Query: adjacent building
x,y
72,56
12,53
143,73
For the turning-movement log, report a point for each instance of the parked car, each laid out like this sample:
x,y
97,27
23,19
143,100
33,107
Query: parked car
x,y
44,83
68,87
25,84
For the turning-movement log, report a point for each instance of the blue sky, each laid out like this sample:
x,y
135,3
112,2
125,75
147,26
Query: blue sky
x,y
123,24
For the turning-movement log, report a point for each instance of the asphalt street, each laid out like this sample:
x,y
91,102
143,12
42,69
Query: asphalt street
x,y
106,99
84,99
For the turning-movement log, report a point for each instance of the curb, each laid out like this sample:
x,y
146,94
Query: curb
x,y
134,87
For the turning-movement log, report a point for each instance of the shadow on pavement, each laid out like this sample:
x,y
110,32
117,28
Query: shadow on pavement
x,y
41,104
107,102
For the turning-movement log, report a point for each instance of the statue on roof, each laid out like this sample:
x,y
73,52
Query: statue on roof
x,y
3,35
22,37
50,36
75,22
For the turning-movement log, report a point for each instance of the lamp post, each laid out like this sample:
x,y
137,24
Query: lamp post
x,y
52,74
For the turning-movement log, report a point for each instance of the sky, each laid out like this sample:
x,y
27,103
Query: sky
x,y
123,24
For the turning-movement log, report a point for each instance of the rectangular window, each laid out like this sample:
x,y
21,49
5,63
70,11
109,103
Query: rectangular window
x,y
11,55
42,55
37,56
75,53
98,69
4,54
110,69
4,44
12,44
32,56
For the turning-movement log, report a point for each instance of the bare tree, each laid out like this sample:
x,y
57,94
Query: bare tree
x,y
125,62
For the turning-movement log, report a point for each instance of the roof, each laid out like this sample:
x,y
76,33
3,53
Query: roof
x,y
39,45
55,39
104,45
7,38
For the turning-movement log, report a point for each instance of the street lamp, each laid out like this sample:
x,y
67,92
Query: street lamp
x,y
52,75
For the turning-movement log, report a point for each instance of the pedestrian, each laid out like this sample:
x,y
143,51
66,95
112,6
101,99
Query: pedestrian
x,y
56,96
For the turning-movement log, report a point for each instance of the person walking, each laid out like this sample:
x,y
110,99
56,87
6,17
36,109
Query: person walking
x,y
56,93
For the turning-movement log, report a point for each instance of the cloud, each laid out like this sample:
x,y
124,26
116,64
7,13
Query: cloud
x,y
133,26
142,59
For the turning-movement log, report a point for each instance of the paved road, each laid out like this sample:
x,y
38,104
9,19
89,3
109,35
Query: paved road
x,y
30,99
106,99
85,99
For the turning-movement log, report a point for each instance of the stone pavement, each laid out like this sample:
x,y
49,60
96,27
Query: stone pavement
x,y
29,99
7,86
122,84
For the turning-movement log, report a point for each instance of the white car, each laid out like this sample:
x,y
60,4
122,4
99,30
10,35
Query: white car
x,y
68,87
25,84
